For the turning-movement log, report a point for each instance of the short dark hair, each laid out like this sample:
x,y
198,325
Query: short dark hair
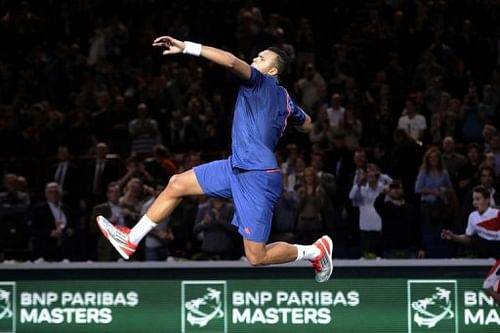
x,y
483,191
283,59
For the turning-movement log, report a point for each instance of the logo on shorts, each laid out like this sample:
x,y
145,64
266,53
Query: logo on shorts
x,y
7,307
246,230
432,306
204,306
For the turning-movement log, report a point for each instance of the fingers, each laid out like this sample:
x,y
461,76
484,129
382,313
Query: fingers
x,y
161,40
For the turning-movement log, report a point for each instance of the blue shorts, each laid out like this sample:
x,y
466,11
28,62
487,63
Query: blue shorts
x,y
254,192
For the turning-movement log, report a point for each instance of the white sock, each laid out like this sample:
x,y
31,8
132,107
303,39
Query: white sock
x,y
141,229
307,252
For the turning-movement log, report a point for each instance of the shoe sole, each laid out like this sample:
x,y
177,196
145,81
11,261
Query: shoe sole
x,y
329,258
103,223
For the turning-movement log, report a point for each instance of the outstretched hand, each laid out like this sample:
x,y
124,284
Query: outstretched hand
x,y
447,234
171,45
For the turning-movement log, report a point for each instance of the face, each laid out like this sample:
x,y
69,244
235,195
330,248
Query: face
x,y
473,154
53,193
480,203
448,144
309,175
486,178
396,192
359,158
372,174
101,150
113,193
265,62
434,159
62,153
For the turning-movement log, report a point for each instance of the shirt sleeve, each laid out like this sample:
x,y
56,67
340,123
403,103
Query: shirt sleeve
x,y
297,116
469,231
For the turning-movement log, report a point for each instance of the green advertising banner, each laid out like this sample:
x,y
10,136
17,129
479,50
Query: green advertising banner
x,y
379,305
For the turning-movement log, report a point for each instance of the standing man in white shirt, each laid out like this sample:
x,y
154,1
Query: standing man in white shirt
x,y
363,194
412,122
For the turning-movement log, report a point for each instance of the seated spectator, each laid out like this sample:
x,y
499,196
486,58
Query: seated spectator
x,y
52,228
13,209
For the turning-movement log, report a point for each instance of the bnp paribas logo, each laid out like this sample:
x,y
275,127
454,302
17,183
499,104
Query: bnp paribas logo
x,y
204,306
7,307
432,306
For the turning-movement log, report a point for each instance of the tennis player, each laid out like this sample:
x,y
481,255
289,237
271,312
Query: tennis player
x,y
251,175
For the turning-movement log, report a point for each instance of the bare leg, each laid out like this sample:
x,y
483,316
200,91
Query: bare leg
x,y
179,186
274,253
494,294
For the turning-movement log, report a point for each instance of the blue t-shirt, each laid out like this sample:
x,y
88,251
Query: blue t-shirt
x,y
263,109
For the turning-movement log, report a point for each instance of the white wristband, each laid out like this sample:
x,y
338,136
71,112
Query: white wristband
x,y
192,48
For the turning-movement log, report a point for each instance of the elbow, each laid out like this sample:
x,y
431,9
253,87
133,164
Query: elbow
x,y
230,60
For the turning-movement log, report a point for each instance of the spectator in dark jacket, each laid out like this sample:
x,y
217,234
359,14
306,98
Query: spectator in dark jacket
x,y
400,226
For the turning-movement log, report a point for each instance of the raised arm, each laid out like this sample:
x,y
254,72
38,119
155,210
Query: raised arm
x,y
220,57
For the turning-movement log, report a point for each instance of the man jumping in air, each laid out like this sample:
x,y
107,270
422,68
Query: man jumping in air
x,y
251,175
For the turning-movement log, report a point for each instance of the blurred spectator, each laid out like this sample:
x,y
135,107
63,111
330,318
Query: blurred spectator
x,y
413,123
213,226
468,172
132,200
352,128
495,150
100,248
143,131
161,166
453,161
487,134
100,171
335,111
285,217
472,120
156,242
14,205
135,169
311,88
311,203
322,131
436,210
67,175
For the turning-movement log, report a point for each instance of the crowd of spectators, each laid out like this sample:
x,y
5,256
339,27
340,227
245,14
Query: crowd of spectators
x,y
404,97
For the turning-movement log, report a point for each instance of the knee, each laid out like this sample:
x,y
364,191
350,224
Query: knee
x,y
255,259
174,186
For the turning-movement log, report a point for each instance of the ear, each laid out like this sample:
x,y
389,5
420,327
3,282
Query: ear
x,y
273,71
